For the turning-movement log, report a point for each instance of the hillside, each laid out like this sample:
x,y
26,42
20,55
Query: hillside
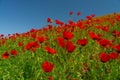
x,y
83,50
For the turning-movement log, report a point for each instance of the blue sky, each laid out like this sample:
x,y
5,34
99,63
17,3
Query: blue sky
x,y
22,15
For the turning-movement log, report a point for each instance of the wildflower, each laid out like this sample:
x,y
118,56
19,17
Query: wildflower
x,y
89,17
104,42
50,26
117,47
115,33
59,22
79,13
70,13
94,36
49,20
34,35
20,43
47,66
13,52
80,25
105,28
31,45
70,46
50,50
104,57
32,30
5,55
67,35
82,42
41,39
61,41
92,15
50,77
114,55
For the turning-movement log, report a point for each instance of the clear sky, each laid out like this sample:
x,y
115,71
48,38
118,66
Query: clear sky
x,y
22,15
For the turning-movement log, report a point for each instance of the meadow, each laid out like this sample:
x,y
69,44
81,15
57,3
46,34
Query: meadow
x,y
83,50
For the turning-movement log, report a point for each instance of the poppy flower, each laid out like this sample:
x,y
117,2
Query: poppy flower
x,y
114,55
61,42
50,26
41,39
13,52
115,33
117,47
105,28
118,18
70,46
79,13
47,66
70,13
49,20
89,17
92,15
59,22
50,50
34,35
20,43
105,43
5,55
82,42
80,25
98,27
31,45
50,77
104,57
67,35
32,30
94,36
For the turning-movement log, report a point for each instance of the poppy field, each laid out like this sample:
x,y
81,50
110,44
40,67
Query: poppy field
x,y
77,50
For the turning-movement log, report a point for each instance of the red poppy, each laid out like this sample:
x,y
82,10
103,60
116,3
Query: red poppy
x,y
50,26
13,52
70,12
49,20
115,33
105,28
98,27
67,35
47,66
104,57
118,18
117,48
114,55
32,30
41,39
92,15
34,35
59,22
80,25
94,36
5,55
82,42
20,43
79,13
50,50
61,42
105,43
89,17
31,45
58,30
50,77
70,46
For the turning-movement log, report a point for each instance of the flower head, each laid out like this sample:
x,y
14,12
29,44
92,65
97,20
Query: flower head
x,y
47,66
104,57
